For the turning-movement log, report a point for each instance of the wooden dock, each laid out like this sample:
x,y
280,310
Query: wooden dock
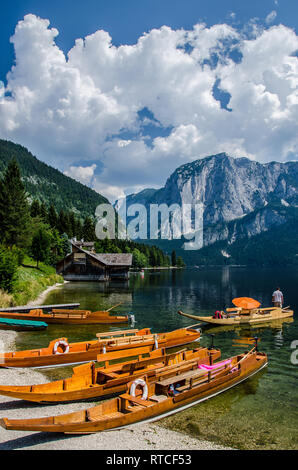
x,y
45,308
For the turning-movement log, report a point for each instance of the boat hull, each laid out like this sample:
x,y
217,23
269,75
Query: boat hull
x,y
21,325
94,420
88,351
243,320
64,391
95,318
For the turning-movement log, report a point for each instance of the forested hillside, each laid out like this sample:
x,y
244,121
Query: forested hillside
x,y
48,185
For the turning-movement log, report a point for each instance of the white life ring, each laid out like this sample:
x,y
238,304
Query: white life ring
x,y
134,385
61,342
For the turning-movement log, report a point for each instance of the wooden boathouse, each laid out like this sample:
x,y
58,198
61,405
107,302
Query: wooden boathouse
x,y
84,264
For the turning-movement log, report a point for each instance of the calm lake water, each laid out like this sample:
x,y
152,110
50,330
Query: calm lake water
x,y
260,413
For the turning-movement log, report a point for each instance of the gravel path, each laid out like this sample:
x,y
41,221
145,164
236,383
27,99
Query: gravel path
x,y
136,437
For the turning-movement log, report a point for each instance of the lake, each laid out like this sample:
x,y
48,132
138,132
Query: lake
x,y
260,413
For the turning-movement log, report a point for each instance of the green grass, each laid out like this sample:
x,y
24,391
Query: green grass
x,y
30,283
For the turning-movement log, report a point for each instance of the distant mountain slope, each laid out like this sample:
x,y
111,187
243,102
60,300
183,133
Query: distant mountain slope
x,y
242,199
277,246
49,185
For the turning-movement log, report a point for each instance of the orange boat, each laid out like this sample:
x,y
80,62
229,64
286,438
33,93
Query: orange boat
x,y
60,352
71,317
147,401
89,381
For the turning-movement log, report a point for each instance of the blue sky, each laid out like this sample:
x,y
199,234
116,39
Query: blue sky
x,y
110,116
126,20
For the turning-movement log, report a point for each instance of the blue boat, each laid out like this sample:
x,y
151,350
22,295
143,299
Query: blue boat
x,y
22,325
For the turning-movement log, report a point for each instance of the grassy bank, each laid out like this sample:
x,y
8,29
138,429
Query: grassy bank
x,y
30,283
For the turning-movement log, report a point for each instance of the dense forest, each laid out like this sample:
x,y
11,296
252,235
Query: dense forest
x,y
37,230
48,185
276,247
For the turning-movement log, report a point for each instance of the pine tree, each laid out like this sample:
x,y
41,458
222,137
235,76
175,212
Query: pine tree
x,y
52,217
14,207
79,229
35,208
40,247
63,223
88,230
72,225
180,262
173,258
43,212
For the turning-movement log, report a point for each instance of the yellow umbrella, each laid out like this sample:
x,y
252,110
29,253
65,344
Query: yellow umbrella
x,y
246,303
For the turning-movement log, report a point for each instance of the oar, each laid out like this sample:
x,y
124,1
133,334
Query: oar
x,y
192,326
249,352
114,306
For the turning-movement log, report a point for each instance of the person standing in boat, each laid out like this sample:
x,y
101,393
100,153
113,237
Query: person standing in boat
x,y
277,298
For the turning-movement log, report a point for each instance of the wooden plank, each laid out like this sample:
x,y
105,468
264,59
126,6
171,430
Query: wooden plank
x,y
115,333
26,309
186,375
138,401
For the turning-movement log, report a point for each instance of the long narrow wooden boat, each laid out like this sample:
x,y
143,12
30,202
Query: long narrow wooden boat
x,y
250,330
168,394
238,316
89,381
22,325
70,316
60,352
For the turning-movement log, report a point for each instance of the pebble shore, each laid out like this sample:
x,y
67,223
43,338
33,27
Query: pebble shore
x,y
136,437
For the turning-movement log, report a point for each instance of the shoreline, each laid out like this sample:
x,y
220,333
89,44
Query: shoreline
x,y
135,437
44,293
139,436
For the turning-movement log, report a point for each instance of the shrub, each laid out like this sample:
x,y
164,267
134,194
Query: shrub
x,y
8,267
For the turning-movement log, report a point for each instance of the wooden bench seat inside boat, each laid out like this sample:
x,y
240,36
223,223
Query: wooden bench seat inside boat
x,y
115,333
158,398
137,400
181,377
70,313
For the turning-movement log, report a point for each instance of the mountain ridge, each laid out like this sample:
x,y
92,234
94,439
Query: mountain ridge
x,y
242,198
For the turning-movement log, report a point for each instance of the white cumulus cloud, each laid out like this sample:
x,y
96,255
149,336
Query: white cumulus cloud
x,y
86,105
84,174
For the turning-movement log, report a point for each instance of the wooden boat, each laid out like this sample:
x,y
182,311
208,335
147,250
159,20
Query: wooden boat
x,y
70,316
148,401
21,325
89,381
240,316
60,352
246,328
45,308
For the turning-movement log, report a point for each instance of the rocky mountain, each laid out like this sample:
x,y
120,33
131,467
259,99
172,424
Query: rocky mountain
x,y
240,198
49,185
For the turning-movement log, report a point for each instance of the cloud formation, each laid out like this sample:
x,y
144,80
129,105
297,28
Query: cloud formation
x,y
271,17
86,106
84,174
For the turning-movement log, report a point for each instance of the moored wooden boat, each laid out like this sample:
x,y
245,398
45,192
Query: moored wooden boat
x,y
60,352
168,394
69,316
22,325
89,381
238,316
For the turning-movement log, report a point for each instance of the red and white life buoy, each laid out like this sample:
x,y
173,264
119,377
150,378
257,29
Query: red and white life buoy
x,y
142,383
63,344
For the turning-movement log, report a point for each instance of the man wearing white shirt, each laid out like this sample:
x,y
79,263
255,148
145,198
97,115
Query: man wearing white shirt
x,y
277,298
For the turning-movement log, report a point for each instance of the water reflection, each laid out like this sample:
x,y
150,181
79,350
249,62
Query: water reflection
x,y
269,397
